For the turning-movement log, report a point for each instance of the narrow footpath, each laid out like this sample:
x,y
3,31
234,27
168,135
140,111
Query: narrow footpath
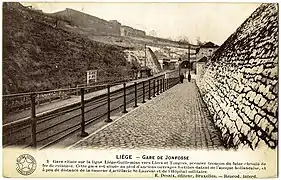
x,y
177,118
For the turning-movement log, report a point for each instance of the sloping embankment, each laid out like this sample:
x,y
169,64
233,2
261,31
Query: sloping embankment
x,y
39,56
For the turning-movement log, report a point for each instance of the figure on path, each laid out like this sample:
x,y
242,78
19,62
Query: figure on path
x,y
189,77
181,77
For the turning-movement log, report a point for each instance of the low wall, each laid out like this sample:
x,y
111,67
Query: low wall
x,y
240,83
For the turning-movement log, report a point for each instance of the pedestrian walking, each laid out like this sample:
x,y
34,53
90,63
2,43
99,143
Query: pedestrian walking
x,y
189,77
181,77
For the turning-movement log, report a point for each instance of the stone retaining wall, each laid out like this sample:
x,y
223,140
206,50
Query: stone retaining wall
x,y
240,83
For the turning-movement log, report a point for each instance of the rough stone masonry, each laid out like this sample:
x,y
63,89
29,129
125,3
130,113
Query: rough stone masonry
x,y
240,82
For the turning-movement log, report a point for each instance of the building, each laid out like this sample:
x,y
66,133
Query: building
x,y
203,54
206,50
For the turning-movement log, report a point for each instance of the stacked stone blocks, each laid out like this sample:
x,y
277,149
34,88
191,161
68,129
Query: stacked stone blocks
x,y
240,84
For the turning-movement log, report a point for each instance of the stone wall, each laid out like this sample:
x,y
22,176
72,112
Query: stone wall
x,y
138,57
199,66
93,24
152,61
240,83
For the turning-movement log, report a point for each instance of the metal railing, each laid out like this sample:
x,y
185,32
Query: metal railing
x,y
18,102
45,129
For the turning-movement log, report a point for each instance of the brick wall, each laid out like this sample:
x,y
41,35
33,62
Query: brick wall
x,y
240,83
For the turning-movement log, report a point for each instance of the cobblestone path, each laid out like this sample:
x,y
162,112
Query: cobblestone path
x,y
177,118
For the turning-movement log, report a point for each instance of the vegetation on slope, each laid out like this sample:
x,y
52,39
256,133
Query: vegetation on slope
x,y
39,56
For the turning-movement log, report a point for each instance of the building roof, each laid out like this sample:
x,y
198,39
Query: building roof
x,y
209,45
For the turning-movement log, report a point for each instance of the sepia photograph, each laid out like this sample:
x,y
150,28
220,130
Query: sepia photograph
x,y
140,76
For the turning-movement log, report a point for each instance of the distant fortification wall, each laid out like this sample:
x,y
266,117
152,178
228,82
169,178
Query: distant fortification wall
x,y
90,25
95,25
240,85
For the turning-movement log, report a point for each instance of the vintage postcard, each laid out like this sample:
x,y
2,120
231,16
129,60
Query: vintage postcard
x,y
139,89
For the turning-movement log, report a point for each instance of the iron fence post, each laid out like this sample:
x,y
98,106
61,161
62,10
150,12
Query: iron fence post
x,y
33,121
161,85
83,133
143,92
157,86
108,104
153,88
136,95
149,93
164,85
124,105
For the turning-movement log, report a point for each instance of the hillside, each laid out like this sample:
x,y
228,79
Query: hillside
x,y
39,56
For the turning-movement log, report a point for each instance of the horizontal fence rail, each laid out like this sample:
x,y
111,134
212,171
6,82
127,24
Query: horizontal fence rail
x,y
18,102
40,130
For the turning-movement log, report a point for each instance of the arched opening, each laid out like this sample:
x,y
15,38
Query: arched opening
x,y
185,65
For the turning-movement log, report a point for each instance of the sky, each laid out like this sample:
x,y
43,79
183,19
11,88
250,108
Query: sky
x,y
209,21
